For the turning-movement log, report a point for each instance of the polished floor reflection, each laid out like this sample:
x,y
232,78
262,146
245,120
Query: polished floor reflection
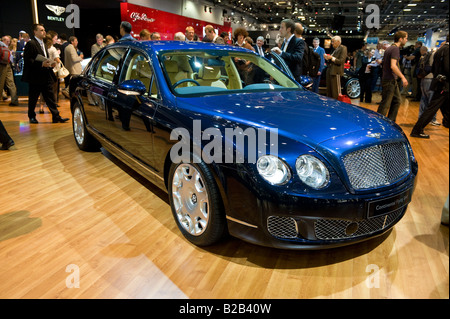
x,y
83,225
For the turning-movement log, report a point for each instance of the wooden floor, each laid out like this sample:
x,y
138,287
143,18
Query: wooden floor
x,y
83,225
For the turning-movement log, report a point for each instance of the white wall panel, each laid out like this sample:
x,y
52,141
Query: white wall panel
x,y
189,8
172,6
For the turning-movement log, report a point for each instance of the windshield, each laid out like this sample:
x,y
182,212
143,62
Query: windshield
x,y
191,73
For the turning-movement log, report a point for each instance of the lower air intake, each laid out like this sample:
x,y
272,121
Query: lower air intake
x,y
282,227
334,229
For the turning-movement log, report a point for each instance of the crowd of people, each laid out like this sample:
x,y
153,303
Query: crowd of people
x,y
414,72
400,71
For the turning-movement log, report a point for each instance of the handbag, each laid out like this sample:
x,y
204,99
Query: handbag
x,y
62,71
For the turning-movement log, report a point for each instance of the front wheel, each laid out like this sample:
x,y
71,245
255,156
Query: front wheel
x,y
85,141
196,203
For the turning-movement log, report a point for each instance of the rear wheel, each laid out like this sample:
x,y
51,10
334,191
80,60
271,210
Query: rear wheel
x,y
85,141
196,203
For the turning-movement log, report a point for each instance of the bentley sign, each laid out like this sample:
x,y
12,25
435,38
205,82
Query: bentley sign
x,y
72,20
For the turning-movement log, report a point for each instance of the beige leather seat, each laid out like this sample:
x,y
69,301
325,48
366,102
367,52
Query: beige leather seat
x,y
209,76
174,72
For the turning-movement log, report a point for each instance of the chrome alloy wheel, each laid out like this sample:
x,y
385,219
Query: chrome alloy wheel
x,y
190,199
353,88
78,126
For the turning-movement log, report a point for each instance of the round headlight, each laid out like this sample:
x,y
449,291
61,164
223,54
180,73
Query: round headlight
x,y
273,170
312,171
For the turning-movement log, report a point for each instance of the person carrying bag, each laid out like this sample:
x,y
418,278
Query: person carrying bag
x,y
62,71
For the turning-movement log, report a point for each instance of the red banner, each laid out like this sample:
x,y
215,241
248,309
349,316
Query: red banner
x,y
165,23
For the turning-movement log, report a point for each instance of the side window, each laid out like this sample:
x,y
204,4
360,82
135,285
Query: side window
x,y
93,65
109,64
139,68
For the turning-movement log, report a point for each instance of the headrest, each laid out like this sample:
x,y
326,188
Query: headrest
x,y
209,73
171,66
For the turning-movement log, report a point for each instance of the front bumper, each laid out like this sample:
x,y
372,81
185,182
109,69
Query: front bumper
x,y
299,222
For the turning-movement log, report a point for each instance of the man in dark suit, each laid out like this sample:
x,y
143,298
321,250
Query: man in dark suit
x,y
292,49
440,88
335,67
40,76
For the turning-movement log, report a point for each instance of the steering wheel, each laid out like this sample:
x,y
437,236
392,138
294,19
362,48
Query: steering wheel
x,y
184,81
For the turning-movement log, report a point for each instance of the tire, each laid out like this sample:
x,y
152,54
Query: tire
x,y
85,141
196,203
353,88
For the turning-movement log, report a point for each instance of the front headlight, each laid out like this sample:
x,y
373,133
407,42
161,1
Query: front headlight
x,y
273,170
312,171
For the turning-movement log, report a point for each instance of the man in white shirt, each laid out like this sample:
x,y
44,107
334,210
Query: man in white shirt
x,y
190,33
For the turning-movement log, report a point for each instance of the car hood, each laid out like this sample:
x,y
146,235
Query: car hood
x,y
299,115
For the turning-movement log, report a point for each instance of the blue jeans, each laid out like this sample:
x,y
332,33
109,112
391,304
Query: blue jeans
x,y
426,96
376,72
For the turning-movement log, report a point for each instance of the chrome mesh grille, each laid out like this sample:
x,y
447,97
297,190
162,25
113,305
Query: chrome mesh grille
x,y
282,227
377,166
333,229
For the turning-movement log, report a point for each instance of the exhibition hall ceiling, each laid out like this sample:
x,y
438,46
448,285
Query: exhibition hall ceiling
x,y
345,16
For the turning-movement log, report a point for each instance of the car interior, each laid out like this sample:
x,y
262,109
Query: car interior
x,y
204,72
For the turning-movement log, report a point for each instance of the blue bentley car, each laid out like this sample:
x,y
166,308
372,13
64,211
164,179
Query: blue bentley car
x,y
241,148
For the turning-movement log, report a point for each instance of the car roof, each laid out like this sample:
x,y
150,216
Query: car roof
x,y
158,46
